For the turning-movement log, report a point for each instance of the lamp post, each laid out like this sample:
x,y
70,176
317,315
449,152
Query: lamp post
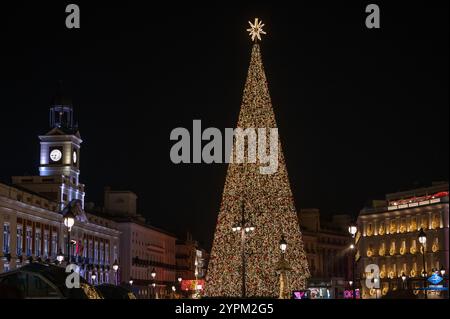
x,y
115,267
353,229
69,221
131,281
174,289
404,280
423,240
153,275
283,267
60,256
442,271
376,282
243,227
93,277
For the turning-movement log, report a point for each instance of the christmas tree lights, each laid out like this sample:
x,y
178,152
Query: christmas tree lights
x,y
266,202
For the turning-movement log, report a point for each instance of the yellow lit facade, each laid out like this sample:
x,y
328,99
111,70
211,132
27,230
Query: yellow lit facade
x,y
389,239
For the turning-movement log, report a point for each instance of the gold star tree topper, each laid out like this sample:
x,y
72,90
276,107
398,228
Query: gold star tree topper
x,y
256,30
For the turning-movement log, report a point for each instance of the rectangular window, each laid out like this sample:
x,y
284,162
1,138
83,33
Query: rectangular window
x,y
102,252
28,241
115,253
64,247
91,254
37,242
96,252
6,238
107,277
54,244
46,243
19,240
85,248
107,254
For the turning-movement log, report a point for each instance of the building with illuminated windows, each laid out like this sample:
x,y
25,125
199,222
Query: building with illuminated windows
x,y
388,238
326,245
145,249
30,208
192,263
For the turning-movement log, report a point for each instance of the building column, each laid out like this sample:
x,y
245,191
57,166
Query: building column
x,y
375,225
430,220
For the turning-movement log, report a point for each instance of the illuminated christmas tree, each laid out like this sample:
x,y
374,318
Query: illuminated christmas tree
x,y
257,210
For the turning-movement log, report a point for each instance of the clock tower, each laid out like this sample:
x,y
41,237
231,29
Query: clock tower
x,y
59,168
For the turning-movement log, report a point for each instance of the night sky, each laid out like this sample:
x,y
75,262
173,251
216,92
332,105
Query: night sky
x,y
360,112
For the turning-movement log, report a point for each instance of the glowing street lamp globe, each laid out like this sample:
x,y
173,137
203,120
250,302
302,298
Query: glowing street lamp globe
x,y
352,229
60,256
115,266
69,220
422,237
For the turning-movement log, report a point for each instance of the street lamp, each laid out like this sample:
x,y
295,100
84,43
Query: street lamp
x,y
404,280
243,227
69,221
60,256
423,240
115,267
174,288
180,279
350,283
442,271
93,277
283,267
376,282
131,281
153,273
353,229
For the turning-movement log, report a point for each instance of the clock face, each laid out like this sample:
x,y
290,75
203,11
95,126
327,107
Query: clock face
x,y
74,157
55,155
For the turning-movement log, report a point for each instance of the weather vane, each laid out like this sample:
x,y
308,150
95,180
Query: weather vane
x,y
256,30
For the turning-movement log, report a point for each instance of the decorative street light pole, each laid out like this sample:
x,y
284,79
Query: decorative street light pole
x,y
69,221
115,267
423,240
353,229
60,256
244,228
283,267
442,271
404,281
153,275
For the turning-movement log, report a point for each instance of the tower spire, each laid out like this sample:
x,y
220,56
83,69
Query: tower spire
x,y
61,110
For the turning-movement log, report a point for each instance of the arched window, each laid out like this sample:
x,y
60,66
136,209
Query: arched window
x,y
392,250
